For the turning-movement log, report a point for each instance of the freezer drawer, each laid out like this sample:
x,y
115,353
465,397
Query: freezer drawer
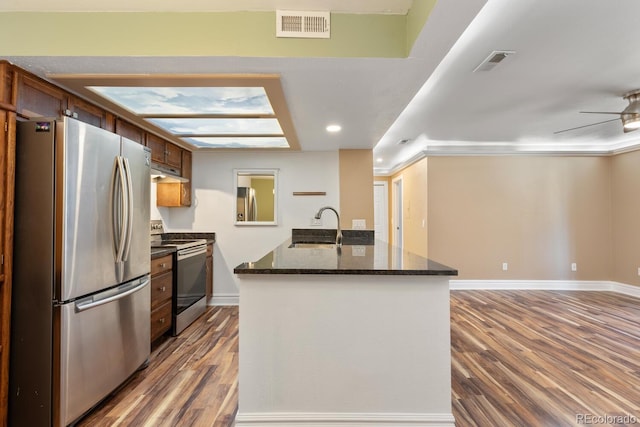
x,y
103,340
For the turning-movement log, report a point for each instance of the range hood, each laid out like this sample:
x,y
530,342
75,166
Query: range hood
x,y
165,174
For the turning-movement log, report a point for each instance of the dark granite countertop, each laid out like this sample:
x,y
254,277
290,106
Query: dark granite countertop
x,y
209,237
159,252
379,258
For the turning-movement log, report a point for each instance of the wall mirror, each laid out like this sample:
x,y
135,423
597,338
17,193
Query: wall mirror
x,y
256,193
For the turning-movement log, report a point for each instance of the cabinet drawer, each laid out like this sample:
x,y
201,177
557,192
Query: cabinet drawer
x,y
161,289
162,264
160,320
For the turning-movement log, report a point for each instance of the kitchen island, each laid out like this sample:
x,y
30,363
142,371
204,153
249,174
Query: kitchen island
x,y
357,335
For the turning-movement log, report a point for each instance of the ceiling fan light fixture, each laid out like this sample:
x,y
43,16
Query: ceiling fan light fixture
x,y
631,121
631,115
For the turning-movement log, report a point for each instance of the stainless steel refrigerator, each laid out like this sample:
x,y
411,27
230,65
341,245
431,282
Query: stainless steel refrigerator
x,y
80,321
246,204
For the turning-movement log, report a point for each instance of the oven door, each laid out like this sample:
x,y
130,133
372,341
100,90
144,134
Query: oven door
x,y
191,280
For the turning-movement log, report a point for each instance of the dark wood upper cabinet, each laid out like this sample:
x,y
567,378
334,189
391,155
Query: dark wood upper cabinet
x,y
156,144
39,99
89,113
164,152
173,155
130,131
7,94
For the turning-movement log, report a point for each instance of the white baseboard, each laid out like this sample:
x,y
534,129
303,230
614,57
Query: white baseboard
x,y
224,299
558,285
314,419
623,288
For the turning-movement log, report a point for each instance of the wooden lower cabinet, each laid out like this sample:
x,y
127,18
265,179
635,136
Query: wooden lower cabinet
x,y
161,293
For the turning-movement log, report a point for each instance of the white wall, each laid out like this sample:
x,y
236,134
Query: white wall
x,y
214,204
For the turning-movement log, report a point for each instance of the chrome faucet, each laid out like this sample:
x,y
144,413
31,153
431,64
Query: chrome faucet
x,y
338,231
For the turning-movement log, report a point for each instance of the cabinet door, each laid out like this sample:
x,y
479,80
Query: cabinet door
x,y
7,165
156,144
6,84
173,155
160,321
7,168
3,192
130,131
185,196
38,99
89,113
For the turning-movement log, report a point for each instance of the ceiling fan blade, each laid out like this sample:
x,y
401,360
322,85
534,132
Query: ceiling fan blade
x,y
585,126
600,112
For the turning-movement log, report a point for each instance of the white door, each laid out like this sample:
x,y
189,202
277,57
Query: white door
x,y
381,210
397,212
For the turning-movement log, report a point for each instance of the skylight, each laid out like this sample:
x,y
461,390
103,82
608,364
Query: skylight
x,y
188,100
225,111
219,127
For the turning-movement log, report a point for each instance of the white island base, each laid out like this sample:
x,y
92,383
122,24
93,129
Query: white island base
x,y
344,350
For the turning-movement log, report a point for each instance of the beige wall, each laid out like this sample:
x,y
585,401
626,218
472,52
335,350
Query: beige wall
x,y
625,179
414,208
356,187
265,197
538,214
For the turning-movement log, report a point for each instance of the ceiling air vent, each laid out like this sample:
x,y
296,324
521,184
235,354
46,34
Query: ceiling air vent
x,y
310,25
496,57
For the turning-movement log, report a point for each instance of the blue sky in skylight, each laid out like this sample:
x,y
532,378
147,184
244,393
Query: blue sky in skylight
x,y
245,142
219,126
188,100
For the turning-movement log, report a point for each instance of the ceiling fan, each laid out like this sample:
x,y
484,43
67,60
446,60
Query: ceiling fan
x,y
630,116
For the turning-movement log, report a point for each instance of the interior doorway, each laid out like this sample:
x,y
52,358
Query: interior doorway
x,y
381,210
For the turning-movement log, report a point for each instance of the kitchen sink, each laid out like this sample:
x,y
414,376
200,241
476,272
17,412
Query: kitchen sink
x,y
313,245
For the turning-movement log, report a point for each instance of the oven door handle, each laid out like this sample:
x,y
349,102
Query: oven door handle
x,y
190,252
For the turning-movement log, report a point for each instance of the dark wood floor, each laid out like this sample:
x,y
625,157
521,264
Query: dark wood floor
x,y
191,380
541,358
519,358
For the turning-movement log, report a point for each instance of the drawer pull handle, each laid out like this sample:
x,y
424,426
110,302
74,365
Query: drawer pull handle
x,y
161,320
163,265
162,289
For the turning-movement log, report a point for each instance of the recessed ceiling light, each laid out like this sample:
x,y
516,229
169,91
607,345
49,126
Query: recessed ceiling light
x,y
334,128
379,160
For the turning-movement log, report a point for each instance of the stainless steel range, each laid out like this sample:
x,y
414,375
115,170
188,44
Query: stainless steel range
x,y
189,276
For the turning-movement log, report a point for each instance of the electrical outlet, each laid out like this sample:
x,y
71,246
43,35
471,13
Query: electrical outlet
x,y
574,266
505,266
316,222
358,224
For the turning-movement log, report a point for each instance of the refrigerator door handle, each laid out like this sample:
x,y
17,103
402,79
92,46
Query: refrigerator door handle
x,y
129,203
119,209
91,303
